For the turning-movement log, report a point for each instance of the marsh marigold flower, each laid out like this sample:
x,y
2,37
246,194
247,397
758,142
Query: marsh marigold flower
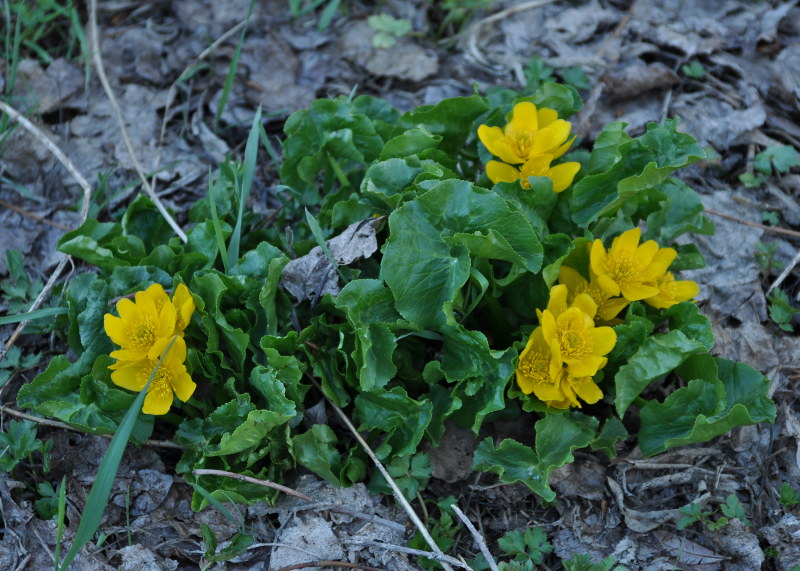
x,y
531,140
571,334
144,329
563,354
171,377
608,306
629,268
671,291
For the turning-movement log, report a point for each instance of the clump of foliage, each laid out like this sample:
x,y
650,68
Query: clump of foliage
x,y
428,324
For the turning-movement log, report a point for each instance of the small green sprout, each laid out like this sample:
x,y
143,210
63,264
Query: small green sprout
x,y
781,310
694,512
789,496
388,29
695,70
530,546
770,217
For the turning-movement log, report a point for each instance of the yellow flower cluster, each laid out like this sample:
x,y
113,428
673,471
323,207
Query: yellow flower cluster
x,y
569,346
144,329
527,146
565,352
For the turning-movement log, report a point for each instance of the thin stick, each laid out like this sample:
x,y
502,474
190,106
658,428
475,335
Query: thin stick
x,y
243,478
87,195
786,271
171,93
477,537
773,229
32,216
101,74
64,426
442,558
397,493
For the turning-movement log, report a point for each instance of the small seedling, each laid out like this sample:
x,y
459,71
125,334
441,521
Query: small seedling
x,y
770,217
388,29
765,256
411,473
695,70
789,496
527,547
19,442
781,158
583,562
442,530
694,512
781,310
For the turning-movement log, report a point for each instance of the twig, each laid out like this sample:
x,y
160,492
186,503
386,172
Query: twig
x,y
32,216
101,74
474,29
440,557
64,426
773,229
330,564
397,493
477,537
786,271
87,195
171,93
243,478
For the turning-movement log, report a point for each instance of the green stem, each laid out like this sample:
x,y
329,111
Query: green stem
x,y
338,171
640,402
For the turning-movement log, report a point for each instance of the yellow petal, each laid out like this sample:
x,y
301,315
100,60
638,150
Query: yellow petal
x,y
129,354
603,340
563,175
183,386
663,259
586,389
609,286
558,300
115,329
157,402
495,142
560,132
685,290
628,241
548,392
524,118
127,309
559,152
132,376
645,252
546,116
501,172
636,291
572,279
598,258
585,366
536,166
612,307
586,304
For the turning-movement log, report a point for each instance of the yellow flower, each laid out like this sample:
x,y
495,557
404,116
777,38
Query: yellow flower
x,y
533,376
530,133
571,334
629,268
561,175
184,307
170,379
608,307
141,323
671,291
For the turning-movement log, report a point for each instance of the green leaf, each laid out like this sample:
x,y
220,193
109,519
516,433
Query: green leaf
x,y
734,509
451,118
412,142
707,407
47,312
680,211
427,256
657,356
613,431
557,435
399,417
369,307
316,450
143,220
783,157
644,163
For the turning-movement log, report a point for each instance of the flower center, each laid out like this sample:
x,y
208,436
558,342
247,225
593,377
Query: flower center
x,y
572,343
621,267
536,367
143,334
521,143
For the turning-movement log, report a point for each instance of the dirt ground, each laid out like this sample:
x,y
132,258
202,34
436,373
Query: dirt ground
x,y
741,97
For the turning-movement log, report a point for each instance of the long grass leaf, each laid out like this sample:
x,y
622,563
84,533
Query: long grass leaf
x,y
31,315
244,186
320,239
101,489
62,513
212,203
226,88
214,502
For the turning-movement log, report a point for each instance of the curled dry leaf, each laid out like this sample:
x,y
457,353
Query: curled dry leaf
x,y
690,553
312,275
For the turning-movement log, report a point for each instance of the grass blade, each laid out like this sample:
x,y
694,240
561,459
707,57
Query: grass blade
x,y
62,512
101,489
249,170
226,89
317,232
213,187
31,315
